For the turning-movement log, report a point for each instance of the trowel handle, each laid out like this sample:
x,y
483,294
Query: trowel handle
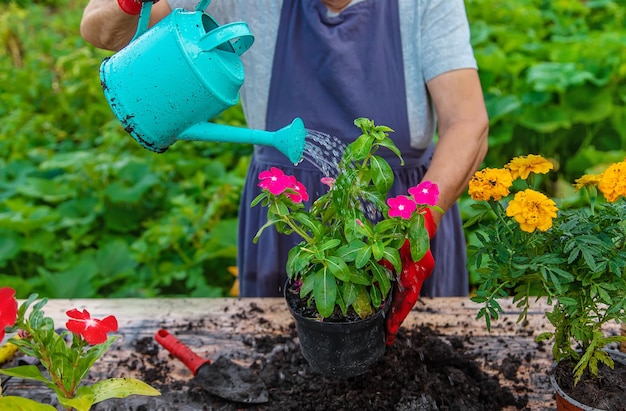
x,y
179,350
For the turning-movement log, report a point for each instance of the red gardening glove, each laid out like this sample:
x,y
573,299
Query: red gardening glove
x,y
132,7
409,285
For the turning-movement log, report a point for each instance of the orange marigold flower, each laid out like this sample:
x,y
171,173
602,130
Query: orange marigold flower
x,y
490,183
587,180
613,182
532,210
524,165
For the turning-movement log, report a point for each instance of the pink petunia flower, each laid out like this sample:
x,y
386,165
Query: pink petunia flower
x,y
401,206
301,194
425,192
8,309
94,331
274,180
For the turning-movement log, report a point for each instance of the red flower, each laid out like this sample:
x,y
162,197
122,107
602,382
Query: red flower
x,y
94,331
8,309
425,192
274,180
401,206
300,195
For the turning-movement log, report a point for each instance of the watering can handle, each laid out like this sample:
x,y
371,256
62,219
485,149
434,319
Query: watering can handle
x,y
144,19
238,31
202,5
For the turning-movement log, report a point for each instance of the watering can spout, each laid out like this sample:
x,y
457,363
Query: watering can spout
x,y
289,140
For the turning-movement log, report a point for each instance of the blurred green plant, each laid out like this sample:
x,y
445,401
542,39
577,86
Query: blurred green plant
x,y
84,210
554,78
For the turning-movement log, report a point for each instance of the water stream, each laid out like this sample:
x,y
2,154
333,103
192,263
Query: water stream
x,y
323,151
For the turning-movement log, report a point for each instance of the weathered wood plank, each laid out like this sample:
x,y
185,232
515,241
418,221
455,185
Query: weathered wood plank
x,y
228,326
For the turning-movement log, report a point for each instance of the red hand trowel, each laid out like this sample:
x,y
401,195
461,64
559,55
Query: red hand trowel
x,y
222,377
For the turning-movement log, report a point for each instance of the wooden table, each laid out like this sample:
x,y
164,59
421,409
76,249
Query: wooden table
x,y
223,318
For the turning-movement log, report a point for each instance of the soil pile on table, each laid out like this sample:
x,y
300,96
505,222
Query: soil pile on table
x,y
421,371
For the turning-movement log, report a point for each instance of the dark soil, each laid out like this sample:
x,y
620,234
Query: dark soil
x,y
608,392
421,371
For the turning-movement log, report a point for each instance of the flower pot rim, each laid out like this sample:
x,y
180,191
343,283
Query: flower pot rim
x,y
339,325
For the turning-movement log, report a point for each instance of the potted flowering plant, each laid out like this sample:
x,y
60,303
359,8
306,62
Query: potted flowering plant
x,y
575,257
349,257
66,364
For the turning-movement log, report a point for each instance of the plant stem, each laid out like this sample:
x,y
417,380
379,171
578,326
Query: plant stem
x,y
497,209
297,229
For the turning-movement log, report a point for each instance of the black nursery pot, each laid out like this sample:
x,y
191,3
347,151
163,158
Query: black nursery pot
x,y
340,349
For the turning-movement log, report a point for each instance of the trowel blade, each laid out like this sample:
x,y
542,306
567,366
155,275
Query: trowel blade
x,y
231,381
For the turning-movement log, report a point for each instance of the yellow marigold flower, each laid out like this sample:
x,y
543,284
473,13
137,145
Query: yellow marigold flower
x,y
613,181
490,183
532,210
587,180
524,165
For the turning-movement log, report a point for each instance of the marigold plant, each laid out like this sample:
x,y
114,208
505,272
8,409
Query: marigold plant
x,y
575,257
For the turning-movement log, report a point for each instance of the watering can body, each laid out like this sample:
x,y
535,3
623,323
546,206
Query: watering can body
x,y
172,78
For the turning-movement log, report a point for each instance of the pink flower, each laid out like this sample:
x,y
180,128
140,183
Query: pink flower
x,y
329,181
425,192
300,194
274,180
8,309
94,331
401,206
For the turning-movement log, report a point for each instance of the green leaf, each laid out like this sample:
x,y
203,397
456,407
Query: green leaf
x,y
121,388
114,257
362,304
363,256
23,404
381,277
350,251
361,147
382,174
359,276
393,256
388,143
349,292
338,268
29,372
50,190
309,222
324,292
419,245
378,250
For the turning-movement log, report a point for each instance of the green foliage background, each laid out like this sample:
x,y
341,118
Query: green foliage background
x,y
86,212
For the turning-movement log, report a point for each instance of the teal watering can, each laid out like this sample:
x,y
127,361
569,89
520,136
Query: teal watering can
x,y
170,80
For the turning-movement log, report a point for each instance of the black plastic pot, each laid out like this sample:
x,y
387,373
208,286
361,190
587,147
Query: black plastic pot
x,y
341,349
